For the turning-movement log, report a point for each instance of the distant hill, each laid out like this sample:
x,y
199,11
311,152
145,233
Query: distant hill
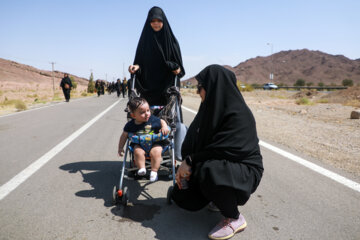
x,y
289,66
15,75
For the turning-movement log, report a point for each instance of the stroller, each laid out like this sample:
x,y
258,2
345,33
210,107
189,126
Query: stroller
x,y
170,113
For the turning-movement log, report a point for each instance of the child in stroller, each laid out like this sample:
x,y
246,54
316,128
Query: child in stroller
x,y
144,123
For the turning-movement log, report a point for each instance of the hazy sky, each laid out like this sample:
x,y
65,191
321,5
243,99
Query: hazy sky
x,y
80,35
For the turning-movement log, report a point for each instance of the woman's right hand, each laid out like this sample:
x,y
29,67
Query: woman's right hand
x,y
121,152
184,171
133,68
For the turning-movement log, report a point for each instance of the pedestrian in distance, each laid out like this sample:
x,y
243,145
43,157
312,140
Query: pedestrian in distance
x,y
223,164
66,86
98,87
118,87
124,86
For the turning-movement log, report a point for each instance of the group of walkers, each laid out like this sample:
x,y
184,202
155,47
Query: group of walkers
x,y
120,87
100,86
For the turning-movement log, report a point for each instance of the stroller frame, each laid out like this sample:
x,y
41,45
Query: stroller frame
x,y
121,194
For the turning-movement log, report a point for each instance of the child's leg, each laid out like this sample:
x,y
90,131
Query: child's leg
x,y
155,155
139,156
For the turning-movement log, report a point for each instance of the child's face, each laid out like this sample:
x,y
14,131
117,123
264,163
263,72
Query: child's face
x,y
142,113
156,24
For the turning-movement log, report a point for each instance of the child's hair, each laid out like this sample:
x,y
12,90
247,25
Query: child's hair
x,y
136,102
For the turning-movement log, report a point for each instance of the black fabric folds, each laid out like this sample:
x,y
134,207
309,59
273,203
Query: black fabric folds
x,y
222,138
157,54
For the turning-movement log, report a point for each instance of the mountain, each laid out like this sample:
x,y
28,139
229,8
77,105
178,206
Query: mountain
x,y
289,66
17,76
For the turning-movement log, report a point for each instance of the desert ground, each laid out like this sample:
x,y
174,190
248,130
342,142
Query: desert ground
x,y
320,128
19,99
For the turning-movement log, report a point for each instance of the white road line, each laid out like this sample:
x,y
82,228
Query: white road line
x,y
30,170
334,176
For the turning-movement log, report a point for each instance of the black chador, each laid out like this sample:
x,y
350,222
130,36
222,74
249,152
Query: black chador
x,y
222,140
66,86
157,54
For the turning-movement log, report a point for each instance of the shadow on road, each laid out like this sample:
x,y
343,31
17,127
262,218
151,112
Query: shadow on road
x,y
165,220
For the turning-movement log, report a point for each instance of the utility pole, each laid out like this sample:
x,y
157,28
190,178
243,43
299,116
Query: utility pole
x,y
123,70
272,63
52,63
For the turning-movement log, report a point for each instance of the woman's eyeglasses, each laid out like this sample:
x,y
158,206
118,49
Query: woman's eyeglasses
x,y
199,87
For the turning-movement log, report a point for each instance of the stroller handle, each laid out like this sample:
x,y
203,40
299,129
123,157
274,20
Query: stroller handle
x,y
133,78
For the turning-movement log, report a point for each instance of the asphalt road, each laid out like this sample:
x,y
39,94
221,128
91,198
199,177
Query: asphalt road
x,y
69,196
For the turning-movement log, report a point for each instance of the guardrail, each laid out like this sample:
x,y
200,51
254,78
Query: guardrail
x,y
329,88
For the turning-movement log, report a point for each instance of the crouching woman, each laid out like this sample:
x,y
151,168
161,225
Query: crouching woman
x,y
223,164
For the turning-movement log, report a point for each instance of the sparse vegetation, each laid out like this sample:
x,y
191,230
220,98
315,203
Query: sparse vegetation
x,y
74,83
304,101
353,103
300,82
347,83
323,100
56,97
91,85
17,103
20,105
256,85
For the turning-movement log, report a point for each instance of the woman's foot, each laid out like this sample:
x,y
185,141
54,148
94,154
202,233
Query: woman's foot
x,y
227,228
153,176
141,172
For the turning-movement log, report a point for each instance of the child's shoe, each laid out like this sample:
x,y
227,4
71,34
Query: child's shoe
x,y
153,176
227,228
141,172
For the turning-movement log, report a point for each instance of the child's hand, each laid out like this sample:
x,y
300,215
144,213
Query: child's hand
x,y
164,130
121,152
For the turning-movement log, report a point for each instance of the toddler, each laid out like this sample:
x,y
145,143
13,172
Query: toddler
x,y
143,123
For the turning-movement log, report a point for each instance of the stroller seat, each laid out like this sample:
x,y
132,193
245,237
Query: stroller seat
x,y
146,141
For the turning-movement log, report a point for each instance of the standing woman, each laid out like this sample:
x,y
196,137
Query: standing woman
x,y
223,160
158,58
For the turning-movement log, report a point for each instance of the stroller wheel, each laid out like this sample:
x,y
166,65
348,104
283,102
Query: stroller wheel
x,y
168,196
125,197
115,196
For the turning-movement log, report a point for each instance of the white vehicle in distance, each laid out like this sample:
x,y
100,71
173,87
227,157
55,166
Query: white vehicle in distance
x,y
270,86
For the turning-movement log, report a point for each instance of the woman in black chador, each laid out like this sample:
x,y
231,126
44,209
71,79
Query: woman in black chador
x,y
223,163
66,86
158,58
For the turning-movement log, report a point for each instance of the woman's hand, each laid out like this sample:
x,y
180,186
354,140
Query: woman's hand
x,y
164,131
133,68
121,152
177,71
184,171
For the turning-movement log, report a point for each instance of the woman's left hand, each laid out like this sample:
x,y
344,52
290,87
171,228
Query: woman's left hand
x,y
184,171
177,71
164,131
